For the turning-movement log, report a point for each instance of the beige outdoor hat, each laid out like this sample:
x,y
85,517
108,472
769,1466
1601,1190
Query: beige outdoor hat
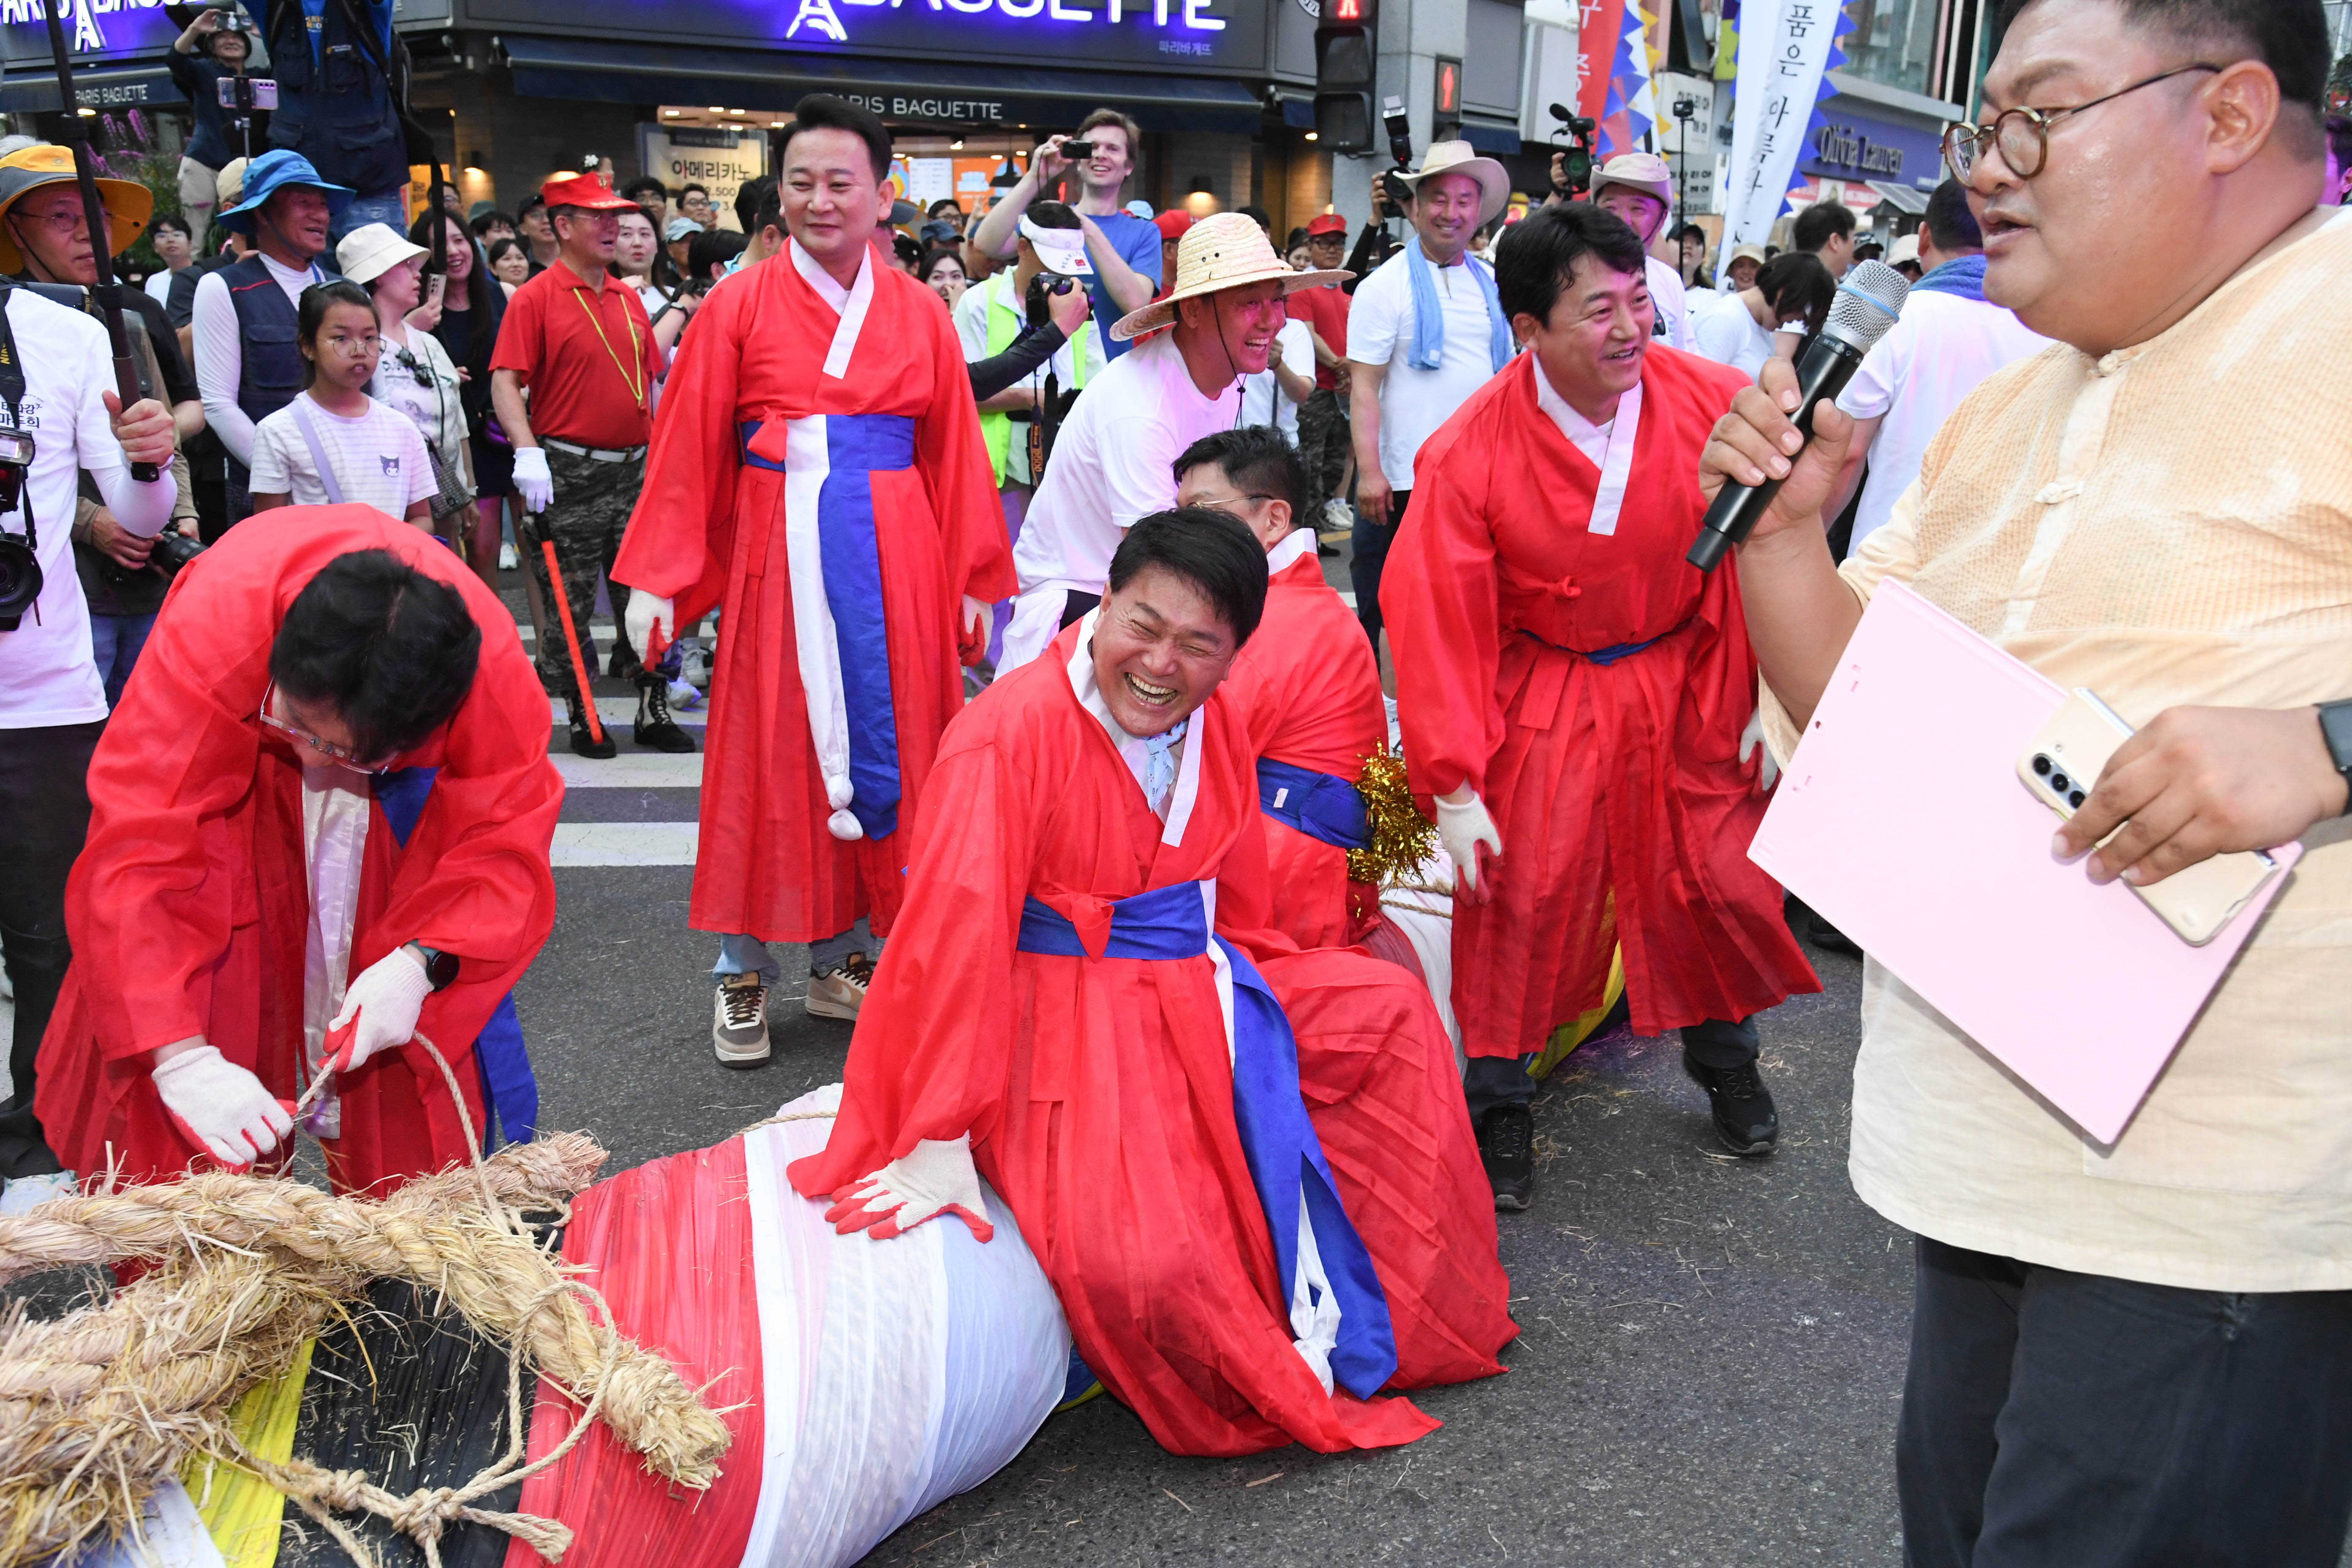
x,y
372,249
1754,253
1461,158
1644,171
1228,251
228,185
1905,249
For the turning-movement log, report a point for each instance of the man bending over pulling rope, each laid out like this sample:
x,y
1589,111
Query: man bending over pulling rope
x,y
1244,1168
320,827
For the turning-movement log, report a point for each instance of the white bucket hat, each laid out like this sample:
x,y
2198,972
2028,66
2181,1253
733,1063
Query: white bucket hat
x,y
1228,251
1063,250
1644,172
1461,158
372,249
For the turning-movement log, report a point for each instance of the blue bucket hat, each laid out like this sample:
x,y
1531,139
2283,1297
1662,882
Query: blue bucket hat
x,y
273,171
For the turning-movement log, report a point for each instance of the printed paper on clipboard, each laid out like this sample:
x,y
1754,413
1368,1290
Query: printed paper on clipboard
x,y
1901,821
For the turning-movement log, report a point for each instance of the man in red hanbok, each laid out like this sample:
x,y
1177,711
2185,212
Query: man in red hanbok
x,y
319,829
1244,1168
1313,690
818,470
1579,699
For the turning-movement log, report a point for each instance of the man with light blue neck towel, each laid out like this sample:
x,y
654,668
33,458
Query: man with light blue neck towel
x,y
1424,331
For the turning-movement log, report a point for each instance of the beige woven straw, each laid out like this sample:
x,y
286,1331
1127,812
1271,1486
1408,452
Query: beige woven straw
x,y
1228,251
1461,158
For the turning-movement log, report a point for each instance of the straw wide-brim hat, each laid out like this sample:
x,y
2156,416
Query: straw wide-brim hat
x,y
45,163
1228,251
1461,158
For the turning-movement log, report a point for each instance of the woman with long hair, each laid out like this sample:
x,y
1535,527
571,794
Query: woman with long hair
x,y
942,273
472,306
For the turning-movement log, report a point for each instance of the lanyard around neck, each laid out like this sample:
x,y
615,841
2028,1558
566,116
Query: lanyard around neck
x,y
636,386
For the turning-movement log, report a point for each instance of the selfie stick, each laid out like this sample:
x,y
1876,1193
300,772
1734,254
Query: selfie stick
x,y
101,237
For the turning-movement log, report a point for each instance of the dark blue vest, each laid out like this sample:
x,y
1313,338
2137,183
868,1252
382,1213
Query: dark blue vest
x,y
270,328
335,110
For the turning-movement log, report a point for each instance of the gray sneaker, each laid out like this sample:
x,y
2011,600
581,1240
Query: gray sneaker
x,y
840,993
738,1021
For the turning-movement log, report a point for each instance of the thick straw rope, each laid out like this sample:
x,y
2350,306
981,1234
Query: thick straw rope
x,y
96,1409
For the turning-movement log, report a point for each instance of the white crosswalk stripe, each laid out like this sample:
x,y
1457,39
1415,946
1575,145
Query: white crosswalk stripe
x,y
579,844
623,710
630,770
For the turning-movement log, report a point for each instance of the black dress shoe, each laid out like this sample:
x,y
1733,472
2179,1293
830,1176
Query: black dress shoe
x,y
655,728
1828,939
1506,1144
584,742
1744,1115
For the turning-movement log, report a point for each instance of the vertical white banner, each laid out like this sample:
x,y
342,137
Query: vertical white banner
x,y
1777,94
1759,21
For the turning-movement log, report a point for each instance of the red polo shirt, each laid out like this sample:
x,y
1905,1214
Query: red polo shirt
x,y
1326,311
586,354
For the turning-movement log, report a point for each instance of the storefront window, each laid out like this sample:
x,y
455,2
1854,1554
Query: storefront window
x,y
1893,42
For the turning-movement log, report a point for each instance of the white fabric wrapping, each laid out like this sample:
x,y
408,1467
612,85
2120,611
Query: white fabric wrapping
x,y
808,460
170,1534
335,806
895,1374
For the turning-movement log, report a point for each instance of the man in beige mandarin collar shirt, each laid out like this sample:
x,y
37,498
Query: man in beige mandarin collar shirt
x,y
2136,1353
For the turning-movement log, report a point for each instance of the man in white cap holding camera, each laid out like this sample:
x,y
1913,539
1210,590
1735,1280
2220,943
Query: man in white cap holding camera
x,y
1640,188
1114,459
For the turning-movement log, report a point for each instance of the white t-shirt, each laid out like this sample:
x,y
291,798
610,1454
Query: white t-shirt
x,y
972,319
220,350
1725,333
1930,358
378,458
47,676
1263,400
1414,402
158,286
1666,293
1111,464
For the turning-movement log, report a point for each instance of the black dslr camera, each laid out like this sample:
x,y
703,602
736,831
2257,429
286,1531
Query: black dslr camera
x,y
1575,162
20,562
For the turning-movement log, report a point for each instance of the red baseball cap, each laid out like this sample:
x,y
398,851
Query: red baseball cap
x,y
585,192
1326,223
1173,223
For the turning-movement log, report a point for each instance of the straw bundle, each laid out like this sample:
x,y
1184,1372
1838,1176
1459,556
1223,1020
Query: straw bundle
x,y
97,1408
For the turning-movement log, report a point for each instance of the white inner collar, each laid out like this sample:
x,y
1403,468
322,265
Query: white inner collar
x,y
1608,447
1297,543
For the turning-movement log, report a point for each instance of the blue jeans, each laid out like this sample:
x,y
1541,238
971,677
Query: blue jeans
x,y
114,643
383,207
748,955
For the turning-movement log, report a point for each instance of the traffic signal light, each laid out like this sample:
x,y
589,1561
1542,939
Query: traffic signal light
x,y
1346,67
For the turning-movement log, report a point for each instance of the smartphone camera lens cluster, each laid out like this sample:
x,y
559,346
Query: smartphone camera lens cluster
x,y
2071,791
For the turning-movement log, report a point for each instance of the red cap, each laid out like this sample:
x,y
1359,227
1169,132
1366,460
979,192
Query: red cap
x,y
585,192
1173,223
1326,223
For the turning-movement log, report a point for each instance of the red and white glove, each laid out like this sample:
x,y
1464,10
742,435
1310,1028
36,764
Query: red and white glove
x,y
1463,825
1751,739
937,1178
972,629
221,1106
650,615
380,1008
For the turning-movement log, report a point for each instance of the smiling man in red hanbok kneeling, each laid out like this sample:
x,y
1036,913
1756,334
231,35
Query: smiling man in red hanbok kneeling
x,y
1246,1168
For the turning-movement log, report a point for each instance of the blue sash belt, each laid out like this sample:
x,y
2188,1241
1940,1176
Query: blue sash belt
x,y
1286,1159
857,447
1608,656
1321,805
508,1089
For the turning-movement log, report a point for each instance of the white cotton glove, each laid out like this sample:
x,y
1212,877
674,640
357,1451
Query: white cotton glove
x,y
1462,825
531,479
221,1106
1751,739
937,1178
380,1008
645,611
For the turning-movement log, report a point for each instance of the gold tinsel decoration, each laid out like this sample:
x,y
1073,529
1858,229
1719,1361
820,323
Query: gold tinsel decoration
x,y
1402,837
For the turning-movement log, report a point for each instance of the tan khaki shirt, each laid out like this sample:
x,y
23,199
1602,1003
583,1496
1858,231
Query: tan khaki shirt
x,y
2171,523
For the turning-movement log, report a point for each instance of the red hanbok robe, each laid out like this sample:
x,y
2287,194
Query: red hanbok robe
x,y
1624,809
709,530
189,908
1098,1092
1314,695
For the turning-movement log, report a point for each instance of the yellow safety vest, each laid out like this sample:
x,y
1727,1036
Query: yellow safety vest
x,y
1003,327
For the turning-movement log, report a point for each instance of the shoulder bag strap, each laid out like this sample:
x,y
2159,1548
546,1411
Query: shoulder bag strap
x,y
318,453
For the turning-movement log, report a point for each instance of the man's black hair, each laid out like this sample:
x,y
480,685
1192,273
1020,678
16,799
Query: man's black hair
x,y
949,203
2290,37
771,212
1052,215
693,185
1214,550
1949,223
711,249
1819,223
749,196
645,183
168,220
1537,257
487,222
390,649
1258,459
823,112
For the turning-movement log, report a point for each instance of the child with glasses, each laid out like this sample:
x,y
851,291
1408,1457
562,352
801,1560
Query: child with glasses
x,y
334,444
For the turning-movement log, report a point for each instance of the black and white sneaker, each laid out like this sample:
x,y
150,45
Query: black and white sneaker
x,y
1506,1144
655,728
1745,1118
738,1021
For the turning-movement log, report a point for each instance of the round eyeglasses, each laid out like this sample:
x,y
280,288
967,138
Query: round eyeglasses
x,y
2022,135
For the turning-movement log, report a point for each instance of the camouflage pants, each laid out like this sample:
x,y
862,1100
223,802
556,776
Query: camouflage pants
x,y
1322,448
591,511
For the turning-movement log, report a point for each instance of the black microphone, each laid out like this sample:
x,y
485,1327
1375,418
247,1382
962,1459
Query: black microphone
x,y
1868,301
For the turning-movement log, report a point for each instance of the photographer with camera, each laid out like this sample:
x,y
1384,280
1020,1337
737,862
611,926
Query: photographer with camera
x,y
56,389
207,63
339,99
1124,248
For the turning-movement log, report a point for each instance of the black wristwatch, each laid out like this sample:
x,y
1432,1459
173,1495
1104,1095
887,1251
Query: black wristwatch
x,y
440,968
2335,729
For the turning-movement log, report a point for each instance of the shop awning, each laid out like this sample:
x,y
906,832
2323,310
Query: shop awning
x,y
897,90
1489,136
116,87
1902,198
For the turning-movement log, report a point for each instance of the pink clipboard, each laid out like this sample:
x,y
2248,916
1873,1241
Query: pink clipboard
x,y
1901,820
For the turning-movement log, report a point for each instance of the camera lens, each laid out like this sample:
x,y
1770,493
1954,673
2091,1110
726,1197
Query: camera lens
x,y
2058,782
2041,766
2075,799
